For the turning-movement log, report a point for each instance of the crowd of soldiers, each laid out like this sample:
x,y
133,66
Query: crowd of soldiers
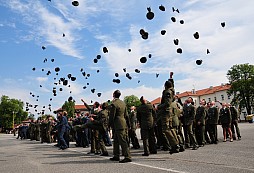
x,y
171,126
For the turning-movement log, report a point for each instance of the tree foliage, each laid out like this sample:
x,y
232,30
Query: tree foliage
x,y
69,107
11,109
131,100
241,78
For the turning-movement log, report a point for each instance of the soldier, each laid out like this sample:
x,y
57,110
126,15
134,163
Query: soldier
x,y
62,127
166,116
37,129
176,123
201,116
43,127
100,124
235,116
31,130
119,121
95,148
188,118
49,129
145,115
132,131
226,119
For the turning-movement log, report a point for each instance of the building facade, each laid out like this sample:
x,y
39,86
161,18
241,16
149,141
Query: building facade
x,y
213,93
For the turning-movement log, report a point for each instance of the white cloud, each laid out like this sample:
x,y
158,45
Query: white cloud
x,y
42,79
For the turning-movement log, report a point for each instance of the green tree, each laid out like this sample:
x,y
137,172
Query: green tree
x,y
241,79
11,112
69,107
131,100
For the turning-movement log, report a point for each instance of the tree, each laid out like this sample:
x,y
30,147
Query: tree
x,y
131,101
69,107
241,79
11,112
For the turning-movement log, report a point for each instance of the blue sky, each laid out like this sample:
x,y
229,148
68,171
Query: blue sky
x,y
26,26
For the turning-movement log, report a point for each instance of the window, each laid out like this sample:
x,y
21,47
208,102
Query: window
x,y
209,99
228,97
215,99
222,97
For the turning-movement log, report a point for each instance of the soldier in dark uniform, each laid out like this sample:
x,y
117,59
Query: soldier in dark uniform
x,y
62,128
120,123
201,116
166,117
145,116
225,119
188,118
132,131
234,124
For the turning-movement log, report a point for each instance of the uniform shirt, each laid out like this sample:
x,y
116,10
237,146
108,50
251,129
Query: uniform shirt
x,y
212,115
201,115
118,116
145,116
188,114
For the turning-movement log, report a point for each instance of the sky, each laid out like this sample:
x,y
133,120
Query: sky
x,y
73,36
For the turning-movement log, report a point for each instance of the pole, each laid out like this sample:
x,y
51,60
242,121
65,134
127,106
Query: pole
x,y
12,119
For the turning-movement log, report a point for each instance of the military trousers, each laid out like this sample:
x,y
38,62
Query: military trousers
x,y
149,141
169,132
101,135
189,136
200,134
179,133
133,138
234,127
121,139
212,130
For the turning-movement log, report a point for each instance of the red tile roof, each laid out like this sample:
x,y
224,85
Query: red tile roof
x,y
197,93
156,101
205,91
77,107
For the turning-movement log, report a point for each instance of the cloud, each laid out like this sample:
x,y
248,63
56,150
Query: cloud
x,y
45,24
42,79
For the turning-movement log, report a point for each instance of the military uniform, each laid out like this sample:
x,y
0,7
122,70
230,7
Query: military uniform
x,y
132,131
37,131
119,121
200,118
212,121
188,118
145,116
177,125
234,114
101,124
166,119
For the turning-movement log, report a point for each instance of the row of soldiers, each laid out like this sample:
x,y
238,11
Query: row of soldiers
x,y
171,125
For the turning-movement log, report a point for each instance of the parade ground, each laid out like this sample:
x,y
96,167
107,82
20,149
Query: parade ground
x,y
25,156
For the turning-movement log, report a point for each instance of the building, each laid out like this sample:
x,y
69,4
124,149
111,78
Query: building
x,y
78,108
213,93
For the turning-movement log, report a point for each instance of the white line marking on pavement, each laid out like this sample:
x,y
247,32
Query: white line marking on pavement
x,y
154,167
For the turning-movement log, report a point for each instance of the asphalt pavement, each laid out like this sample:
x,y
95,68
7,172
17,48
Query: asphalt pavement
x,y
25,156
